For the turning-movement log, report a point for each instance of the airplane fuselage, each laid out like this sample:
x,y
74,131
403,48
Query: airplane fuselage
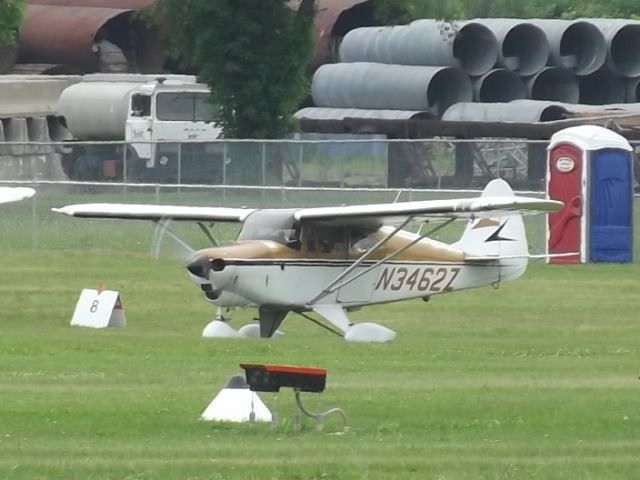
x,y
262,272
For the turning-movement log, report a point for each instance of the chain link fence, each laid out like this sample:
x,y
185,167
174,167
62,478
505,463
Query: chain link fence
x,y
290,173
344,161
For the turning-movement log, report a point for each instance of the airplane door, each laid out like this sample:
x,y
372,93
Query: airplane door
x,y
565,184
361,289
611,206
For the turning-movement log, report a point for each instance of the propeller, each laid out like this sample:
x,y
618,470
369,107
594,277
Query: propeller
x,y
166,243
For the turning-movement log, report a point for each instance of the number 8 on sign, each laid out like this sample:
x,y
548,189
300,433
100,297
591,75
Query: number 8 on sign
x,y
94,306
99,309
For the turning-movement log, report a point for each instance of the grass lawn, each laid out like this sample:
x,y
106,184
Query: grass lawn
x,y
538,379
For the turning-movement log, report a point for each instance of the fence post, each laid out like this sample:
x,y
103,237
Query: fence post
x,y
224,173
300,163
536,164
34,223
179,170
264,168
125,169
341,171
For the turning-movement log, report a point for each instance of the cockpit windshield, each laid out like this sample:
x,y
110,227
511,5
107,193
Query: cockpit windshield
x,y
274,225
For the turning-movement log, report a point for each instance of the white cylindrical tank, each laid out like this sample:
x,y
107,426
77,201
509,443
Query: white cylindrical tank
x,y
96,110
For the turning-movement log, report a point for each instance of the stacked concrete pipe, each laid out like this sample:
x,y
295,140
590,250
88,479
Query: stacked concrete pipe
x,y
633,90
522,46
623,45
577,45
553,83
603,87
592,61
525,111
399,87
470,46
498,85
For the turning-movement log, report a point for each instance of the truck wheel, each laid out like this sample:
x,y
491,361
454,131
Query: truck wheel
x,y
134,165
86,169
81,168
67,164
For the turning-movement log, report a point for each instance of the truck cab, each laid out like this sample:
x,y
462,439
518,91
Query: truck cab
x,y
159,130
168,127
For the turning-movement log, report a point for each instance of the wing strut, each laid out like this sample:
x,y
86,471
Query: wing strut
x,y
207,233
320,324
338,283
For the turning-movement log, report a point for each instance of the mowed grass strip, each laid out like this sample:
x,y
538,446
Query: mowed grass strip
x,y
538,379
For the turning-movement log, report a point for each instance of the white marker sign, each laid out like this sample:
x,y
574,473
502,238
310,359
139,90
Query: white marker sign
x,y
99,309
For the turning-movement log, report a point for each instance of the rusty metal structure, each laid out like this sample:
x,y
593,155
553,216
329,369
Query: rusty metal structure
x,y
58,36
333,19
121,4
63,33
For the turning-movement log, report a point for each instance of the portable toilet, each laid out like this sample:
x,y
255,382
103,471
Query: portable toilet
x,y
590,169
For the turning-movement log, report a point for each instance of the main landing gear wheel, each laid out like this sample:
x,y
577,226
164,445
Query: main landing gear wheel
x,y
220,328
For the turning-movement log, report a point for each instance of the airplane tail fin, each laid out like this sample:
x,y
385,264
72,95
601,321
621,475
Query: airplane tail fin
x,y
501,239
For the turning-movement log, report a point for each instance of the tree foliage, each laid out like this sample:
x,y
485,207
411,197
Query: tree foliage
x,y
524,9
252,53
10,20
391,12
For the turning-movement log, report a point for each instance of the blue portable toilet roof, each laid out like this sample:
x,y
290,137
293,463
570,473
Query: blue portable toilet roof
x,y
590,137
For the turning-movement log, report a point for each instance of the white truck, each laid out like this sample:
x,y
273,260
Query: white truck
x,y
147,128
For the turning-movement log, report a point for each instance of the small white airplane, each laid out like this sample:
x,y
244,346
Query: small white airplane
x,y
15,194
331,260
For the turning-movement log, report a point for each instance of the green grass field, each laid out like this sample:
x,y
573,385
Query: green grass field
x,y
538,379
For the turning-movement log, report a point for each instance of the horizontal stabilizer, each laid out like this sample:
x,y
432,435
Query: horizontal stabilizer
x,y
484,258
15,194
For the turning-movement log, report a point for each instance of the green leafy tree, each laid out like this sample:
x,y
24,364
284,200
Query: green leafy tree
x,y
518,8
252,53
10,20
391,12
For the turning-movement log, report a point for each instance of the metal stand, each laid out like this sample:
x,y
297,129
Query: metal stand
x,y
318,417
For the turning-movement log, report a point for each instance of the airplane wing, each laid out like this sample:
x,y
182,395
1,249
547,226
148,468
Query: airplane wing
x,y
373,213
155,212
15,194
454,208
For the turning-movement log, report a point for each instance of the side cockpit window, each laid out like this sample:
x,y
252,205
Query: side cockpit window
x,y
274,225
323,239
361,242
334,240
140,105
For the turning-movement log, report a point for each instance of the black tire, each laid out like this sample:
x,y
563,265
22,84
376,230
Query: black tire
x,y
67,164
